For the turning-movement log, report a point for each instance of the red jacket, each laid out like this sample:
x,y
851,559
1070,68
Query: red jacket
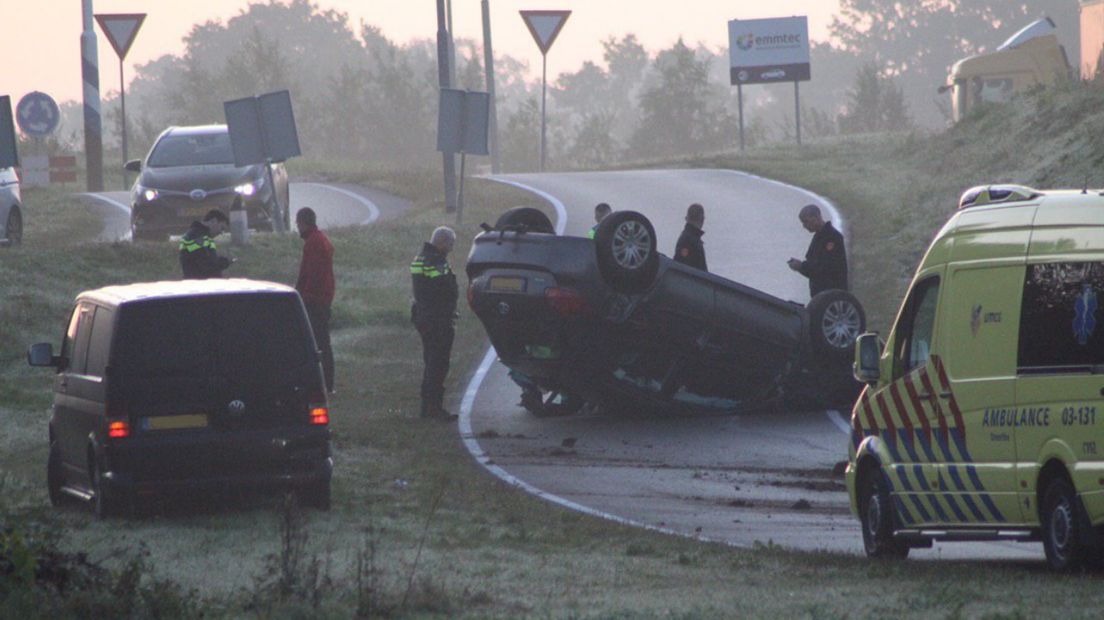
x,y
316,276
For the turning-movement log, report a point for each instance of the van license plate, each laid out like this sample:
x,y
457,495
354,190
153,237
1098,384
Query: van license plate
x,y
193,211
174,422
507,284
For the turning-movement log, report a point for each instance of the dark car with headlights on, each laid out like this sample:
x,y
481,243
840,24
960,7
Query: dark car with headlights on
x,y
189,171
610,321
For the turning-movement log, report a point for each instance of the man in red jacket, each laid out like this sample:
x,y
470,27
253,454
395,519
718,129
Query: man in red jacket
x,y
316,285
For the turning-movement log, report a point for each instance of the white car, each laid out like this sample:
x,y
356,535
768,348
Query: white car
x,y
11,210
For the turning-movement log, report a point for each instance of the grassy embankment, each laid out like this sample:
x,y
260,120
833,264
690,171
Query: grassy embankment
x,y
490,551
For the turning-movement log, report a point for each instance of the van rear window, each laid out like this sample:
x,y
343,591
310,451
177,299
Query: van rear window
x,y
1062,326
244,336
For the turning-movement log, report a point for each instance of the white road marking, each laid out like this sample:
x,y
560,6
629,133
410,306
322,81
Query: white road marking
x,y
373,210
466,404
110,201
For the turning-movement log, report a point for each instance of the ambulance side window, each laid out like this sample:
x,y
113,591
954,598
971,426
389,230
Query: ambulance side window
x,y
914,334
1061,322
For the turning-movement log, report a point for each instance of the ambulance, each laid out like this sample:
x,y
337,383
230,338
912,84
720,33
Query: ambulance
x,y
983,412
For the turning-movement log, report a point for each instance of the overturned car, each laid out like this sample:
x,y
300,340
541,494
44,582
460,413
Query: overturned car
x,y
612,322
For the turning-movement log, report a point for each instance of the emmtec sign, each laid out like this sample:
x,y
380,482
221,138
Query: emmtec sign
x,y
762,51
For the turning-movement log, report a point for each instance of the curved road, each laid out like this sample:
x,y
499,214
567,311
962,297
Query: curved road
x,y
336,204
744,479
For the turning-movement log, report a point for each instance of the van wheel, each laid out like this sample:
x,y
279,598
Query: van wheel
x,y
876,514
1065,527
14,227
316,496
836,318
527,219
626,249
55,474
104,504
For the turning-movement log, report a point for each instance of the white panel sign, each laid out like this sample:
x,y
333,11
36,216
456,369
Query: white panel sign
x,y
769,50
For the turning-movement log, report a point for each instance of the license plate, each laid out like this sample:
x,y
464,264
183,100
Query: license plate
x,y
507,284
174,422
193,211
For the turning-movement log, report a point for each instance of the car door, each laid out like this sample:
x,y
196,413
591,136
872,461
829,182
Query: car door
x,y
67,425
905,412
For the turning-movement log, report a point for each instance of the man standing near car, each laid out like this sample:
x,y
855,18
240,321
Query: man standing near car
x,y
601,210
690,250
434,314
825,261
199,257
316,285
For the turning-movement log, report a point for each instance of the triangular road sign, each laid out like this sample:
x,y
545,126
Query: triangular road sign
x,y
120,29
545,26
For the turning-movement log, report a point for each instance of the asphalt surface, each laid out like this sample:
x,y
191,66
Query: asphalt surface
x,y
769,478
336,205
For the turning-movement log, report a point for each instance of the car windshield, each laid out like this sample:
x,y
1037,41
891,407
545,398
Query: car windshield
x,y
192,150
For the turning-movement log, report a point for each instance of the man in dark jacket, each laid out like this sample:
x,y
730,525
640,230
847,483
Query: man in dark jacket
x,y
690,250
316,285
434,314
199,257
825,262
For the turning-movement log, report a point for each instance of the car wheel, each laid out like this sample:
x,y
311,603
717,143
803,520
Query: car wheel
x,y
626,249
316,496
14,227
527,219
836,318
138,234
104,503
55,474
876,515
1065,527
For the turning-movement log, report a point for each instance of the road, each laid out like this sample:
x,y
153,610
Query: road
x,y
743,479
336,205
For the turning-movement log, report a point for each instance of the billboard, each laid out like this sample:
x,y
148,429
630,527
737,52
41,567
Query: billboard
x,y
763,51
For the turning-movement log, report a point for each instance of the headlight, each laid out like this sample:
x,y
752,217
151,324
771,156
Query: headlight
x,y
148,193
246,189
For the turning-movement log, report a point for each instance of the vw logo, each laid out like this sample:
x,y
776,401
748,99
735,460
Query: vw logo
x,y
197,194
503,308
235,408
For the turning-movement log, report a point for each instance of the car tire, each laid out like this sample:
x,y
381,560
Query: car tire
x,y
527,219
1065,527
137,234
55,474
876,516
13,229
625,244
836,318
317,496
104,504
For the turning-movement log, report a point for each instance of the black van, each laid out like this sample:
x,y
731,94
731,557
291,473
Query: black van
x,y
188,385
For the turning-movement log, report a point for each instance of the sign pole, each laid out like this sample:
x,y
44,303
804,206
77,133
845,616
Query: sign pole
x,y
488,68
122,102
797,109
544,87
545,26
93,127
444,81
740,101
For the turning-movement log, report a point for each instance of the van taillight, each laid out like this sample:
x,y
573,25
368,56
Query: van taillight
x,y
566,302
319,415
118,429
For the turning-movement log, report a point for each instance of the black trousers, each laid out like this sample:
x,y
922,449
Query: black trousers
x,y
437,337
320,325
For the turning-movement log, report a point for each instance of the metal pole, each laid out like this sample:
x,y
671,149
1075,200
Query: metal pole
x,y
279,226
797,109
122,102
740,100
444,80
460,199
488,69
93,126
544,88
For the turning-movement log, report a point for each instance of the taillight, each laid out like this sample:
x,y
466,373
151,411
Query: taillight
x,y
566,302
319,415
118,429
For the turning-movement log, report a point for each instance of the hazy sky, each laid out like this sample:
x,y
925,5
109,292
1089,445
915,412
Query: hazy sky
x,y
40,40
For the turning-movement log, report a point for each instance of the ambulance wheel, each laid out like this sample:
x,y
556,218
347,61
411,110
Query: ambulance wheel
x,y
1065,527
836,318
527,219
626,247
876,514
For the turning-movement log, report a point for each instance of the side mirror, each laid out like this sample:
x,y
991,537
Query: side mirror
x,y
134,165
868,352
42,355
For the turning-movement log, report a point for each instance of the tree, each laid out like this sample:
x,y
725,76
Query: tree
x,y
876,104
917,42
